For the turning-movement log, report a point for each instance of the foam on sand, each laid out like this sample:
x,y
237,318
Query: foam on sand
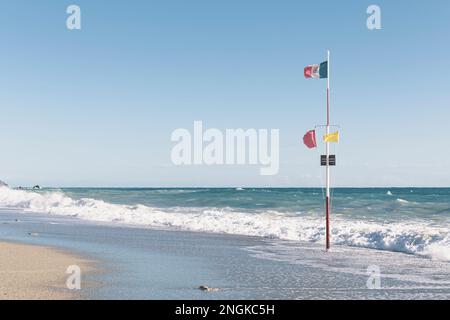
x,y
415,236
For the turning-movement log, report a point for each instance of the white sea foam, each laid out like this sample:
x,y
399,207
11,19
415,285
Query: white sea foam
x,y
412,236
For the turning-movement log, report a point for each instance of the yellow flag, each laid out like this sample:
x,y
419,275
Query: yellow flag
x,y
332,137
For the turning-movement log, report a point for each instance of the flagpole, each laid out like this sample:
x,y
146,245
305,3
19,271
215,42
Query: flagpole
x,y
327,200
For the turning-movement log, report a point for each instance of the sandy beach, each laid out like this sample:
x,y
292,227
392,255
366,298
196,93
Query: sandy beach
x,y
36,272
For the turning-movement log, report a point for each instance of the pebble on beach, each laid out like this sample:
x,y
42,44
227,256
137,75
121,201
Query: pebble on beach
x,y
208,289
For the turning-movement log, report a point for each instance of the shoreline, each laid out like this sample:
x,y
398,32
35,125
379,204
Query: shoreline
x,y
144,263
34,272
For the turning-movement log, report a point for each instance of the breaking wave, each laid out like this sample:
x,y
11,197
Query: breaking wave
x,y
412,236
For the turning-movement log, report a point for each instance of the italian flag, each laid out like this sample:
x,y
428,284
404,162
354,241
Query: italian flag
x,y
318,71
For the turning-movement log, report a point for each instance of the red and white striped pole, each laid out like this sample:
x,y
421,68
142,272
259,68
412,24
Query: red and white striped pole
x,y
327,199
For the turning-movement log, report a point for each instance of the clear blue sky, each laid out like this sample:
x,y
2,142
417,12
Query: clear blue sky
x,y
96,107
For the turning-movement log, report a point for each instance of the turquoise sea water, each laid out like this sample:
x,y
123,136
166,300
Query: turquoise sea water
x,y
409,220
430,203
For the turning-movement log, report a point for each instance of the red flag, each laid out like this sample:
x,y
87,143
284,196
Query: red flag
x,y
309,139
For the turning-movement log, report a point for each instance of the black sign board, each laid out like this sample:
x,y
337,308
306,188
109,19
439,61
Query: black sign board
x,y
331,160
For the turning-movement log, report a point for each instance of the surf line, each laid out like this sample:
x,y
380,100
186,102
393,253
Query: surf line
x,y
322,71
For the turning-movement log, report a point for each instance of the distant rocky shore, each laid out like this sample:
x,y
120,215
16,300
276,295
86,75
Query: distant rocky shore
x,y
36,187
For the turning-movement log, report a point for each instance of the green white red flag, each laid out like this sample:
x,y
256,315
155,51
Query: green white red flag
x,y
318,71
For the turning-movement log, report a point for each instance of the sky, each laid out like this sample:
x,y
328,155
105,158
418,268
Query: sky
x,y
97,106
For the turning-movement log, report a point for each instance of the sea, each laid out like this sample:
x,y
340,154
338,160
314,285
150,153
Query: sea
x,y
413,221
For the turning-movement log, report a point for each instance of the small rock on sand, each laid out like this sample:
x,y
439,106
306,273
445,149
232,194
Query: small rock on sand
x,y
208,289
